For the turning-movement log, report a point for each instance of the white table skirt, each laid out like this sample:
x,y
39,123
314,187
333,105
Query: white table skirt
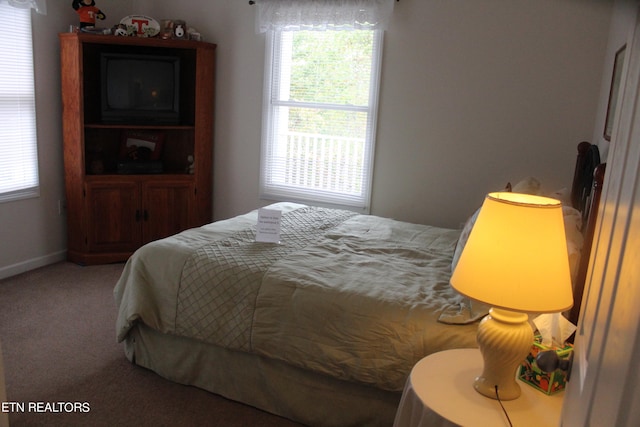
x,y
440,393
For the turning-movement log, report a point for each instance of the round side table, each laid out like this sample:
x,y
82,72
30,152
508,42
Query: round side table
x,y
439,392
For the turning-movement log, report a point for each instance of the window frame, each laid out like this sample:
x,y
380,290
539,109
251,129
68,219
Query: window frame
x,y
279,192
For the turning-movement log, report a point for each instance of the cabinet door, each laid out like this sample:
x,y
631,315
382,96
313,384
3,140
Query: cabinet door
x,y
167,208
113,216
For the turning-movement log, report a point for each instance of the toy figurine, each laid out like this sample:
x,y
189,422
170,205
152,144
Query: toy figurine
x,y
119,30
179,29
191,166
88,12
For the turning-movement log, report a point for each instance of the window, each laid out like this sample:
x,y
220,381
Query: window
x,y
18,146
321,93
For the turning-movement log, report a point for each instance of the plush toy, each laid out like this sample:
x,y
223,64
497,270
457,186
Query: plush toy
x,y
88,12
179,29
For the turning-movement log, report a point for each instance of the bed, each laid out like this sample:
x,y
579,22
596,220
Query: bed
x,y
323,327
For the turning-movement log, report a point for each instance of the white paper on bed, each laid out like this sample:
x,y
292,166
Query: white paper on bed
x,y
268,226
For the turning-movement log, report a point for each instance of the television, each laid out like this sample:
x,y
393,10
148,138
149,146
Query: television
x,y
141,88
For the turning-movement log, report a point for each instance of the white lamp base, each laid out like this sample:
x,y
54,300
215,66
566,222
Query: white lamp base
x,y
505,338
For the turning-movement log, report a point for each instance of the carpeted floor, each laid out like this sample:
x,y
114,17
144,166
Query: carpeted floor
x,y
57,329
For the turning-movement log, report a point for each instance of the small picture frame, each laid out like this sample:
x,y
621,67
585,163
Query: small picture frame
x,y
141,145
614,92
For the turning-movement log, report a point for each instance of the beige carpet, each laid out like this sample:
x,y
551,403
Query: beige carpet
x,y
57,328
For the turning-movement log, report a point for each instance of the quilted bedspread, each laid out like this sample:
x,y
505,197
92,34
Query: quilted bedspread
x,y
356,297
221,280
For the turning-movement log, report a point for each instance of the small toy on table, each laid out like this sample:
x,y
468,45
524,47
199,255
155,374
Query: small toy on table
x,y
553,332
119,30
532,374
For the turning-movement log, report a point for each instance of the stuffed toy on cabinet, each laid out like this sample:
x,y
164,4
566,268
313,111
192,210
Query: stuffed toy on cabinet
x,y
88,12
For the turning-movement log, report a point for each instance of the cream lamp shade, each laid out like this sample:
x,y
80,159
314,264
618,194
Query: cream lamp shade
x,y
515,260
516,255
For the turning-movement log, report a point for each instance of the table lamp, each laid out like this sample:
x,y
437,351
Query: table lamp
x,y
516,261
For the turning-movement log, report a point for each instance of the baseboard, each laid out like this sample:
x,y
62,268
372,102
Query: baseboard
x,y
31,264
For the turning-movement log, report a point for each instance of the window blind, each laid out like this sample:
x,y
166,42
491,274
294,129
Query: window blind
x,y
18,142
320,109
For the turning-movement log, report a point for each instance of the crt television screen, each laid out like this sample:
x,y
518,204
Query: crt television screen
x,y
140,87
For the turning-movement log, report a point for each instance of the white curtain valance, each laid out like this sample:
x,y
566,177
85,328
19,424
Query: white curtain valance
x,y
39,6
293,15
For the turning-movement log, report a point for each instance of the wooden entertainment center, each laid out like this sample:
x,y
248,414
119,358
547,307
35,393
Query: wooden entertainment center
x,y
115,206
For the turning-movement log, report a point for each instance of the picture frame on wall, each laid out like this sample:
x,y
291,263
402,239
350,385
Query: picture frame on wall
x,y
614,92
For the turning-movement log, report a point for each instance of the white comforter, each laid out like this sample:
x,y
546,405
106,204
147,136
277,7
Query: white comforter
x,y
361,302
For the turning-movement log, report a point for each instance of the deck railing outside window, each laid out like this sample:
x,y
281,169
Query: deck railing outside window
x,y
324,162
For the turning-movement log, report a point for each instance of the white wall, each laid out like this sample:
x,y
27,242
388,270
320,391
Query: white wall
x,y
474,94
623,19
478,93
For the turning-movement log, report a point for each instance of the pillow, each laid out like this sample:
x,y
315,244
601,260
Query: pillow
x,y
466,230
575,239
572,219
468,311
528,185
573,225
464,236
563,195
